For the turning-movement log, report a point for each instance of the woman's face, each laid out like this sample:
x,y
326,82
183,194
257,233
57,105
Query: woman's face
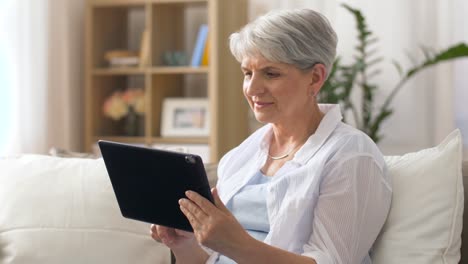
x,y
277,92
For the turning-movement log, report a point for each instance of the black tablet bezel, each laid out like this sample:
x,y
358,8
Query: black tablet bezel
x,y
148,183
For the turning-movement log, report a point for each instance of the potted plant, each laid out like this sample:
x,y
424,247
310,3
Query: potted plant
x,y
343,79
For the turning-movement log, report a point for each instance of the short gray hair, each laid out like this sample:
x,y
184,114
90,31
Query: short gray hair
x,y
301,37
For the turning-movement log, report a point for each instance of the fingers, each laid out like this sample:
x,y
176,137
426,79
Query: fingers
x,y
201,201
193,214
183,233
154,233
198,208
166,235
162,234
218,201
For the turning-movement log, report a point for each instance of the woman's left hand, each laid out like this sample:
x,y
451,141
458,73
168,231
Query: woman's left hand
x,y
214,226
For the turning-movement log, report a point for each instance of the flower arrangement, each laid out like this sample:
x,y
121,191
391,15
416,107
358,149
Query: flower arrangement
x,y
122,103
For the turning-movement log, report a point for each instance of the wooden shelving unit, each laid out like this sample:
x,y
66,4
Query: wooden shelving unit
x,y
172,25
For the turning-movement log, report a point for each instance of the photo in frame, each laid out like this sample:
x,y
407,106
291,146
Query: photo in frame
x,y
185,117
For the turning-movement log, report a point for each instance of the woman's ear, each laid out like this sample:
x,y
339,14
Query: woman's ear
x,y
318,76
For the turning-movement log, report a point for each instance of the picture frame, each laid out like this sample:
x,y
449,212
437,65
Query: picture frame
x,y
185,117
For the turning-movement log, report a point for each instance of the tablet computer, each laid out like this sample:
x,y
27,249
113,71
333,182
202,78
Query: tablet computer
x,y
148,183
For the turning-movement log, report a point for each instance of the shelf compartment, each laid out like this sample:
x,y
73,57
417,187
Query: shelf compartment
x,y
116,28
175,27
169,86
103,88
173,86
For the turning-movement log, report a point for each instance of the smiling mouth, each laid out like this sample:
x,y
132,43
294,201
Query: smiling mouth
x,y
262,104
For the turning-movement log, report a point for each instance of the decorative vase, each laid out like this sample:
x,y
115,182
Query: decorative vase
x,y
133,123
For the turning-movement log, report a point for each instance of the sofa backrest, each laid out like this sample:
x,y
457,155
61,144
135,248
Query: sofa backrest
x,y
63,210
464,246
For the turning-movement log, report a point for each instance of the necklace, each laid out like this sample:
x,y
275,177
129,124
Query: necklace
x,y
279,157
282,156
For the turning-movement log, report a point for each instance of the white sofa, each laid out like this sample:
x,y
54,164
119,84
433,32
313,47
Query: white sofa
x,y
63,210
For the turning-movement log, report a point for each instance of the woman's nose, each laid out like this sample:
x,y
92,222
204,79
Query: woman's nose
x,y
253,86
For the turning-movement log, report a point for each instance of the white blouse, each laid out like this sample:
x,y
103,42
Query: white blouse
x,y
329,202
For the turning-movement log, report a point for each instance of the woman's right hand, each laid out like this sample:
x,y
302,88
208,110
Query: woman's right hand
x,y
182,243
175,239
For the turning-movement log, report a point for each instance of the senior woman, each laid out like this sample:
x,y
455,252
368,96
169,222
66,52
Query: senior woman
x,y
304,188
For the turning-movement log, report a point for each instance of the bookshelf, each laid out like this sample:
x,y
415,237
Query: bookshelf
x,y
170,25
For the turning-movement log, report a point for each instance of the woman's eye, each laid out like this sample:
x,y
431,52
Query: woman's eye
x,y
247,74
272,74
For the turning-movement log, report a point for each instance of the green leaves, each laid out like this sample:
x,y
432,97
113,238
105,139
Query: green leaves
x,y
361,71
344,78
453,52
330,90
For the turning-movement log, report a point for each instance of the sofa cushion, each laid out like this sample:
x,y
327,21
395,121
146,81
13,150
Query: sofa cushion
x,y
425,220
63,210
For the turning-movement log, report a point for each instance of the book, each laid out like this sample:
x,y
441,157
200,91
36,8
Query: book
x,y
124,61
199,46
118,53
206,53
144,48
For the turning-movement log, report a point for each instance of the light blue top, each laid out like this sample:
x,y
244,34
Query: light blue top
x,y
249,208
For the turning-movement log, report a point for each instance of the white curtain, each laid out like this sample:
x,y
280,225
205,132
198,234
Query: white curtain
x,y
43,39
423,110
460,19
66,59
5,74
